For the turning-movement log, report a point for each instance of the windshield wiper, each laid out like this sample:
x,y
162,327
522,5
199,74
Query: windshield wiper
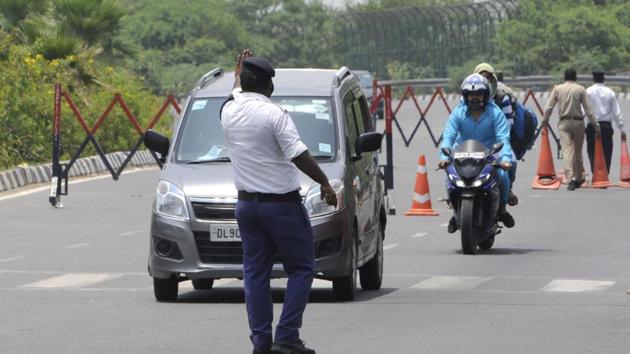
x,y
218,159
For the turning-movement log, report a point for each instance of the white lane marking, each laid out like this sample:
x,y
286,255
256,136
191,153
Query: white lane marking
x,y
217,282
317,283
129,233
448,282
419,234
78,245
72,280
444,225
577,285
11,259
389,247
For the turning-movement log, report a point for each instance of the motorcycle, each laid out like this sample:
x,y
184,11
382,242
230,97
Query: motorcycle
x,y
474,193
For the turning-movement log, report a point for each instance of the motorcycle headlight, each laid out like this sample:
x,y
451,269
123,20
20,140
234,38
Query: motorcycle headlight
x,y
315,206
460,183
170,201
481,180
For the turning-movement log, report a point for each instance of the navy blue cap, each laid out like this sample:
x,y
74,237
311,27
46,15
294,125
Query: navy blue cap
x,y
259,66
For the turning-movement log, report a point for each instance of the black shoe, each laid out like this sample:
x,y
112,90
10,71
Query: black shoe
x,y
571,186
578,183
512,199
507,219
452,225
291,348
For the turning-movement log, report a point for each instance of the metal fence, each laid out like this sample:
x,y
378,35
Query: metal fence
x,y
434,37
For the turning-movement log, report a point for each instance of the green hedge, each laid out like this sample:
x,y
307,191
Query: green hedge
x,y
27,104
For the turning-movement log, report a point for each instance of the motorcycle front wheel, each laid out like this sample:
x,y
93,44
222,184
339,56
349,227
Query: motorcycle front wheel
x,y
469,241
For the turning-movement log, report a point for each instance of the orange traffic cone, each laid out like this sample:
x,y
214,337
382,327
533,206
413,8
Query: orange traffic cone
x,y
421,200
546,174
600,173
624,170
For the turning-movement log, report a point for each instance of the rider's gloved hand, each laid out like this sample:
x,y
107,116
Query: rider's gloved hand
x,y
442,165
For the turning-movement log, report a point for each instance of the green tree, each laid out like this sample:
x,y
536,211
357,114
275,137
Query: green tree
x,y
549,36
180,43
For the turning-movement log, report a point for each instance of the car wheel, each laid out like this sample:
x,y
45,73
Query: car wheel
x,y
345,288
372,272
165,289
202,284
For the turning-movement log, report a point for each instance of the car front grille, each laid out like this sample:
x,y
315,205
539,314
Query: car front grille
x,y
220,252
214,211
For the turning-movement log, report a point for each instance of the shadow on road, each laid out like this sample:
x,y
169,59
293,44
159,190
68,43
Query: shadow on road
x,y
508,251
236,295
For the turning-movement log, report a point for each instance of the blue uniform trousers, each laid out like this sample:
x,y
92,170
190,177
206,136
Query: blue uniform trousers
x,y
267,229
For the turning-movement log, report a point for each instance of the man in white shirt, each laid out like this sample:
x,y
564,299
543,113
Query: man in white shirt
x,y
267,154
606,109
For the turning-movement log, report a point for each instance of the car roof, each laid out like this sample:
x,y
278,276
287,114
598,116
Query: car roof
x,y
287,82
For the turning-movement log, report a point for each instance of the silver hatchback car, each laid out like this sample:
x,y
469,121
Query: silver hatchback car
x,y
194,233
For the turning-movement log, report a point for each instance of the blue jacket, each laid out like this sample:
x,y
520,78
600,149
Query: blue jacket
x,y
491,128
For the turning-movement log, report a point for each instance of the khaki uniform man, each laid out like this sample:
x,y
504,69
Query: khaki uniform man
x,y
571,98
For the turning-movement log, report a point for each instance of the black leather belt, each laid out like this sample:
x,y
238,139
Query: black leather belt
x,y
572,118
293,196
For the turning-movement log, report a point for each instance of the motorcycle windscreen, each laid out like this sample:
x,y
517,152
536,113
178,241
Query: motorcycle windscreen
x,y
470,157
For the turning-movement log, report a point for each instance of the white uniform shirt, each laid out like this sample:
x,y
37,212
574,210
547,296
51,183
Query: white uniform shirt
x,y
262,140
605,104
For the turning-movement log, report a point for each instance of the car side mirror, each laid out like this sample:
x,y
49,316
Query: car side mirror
x,y
446,151
367,142
497,147
157,142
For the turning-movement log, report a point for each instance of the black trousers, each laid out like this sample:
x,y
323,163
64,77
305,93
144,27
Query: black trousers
x,y
607,143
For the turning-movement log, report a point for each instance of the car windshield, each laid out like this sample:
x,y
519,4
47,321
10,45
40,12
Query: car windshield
x,y
201,135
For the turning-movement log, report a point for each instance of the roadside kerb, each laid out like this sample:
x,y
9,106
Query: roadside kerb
x,y
84,167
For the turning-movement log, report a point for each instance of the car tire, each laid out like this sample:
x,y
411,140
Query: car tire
x,y
372,272
345,288
202,284
165,289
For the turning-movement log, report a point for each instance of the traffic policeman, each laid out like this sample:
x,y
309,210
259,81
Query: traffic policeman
x,y
267,155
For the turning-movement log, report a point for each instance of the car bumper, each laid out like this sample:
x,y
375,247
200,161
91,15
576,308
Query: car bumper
x,y
332,236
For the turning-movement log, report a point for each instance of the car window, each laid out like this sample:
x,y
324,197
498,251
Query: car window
x,y
365,113
353,128
314,120
358,114
201,134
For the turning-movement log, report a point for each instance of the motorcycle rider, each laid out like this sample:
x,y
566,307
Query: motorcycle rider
x,y
477,117
502,96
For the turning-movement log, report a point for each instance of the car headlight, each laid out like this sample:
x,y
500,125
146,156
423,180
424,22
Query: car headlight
x,y
170,201
315,206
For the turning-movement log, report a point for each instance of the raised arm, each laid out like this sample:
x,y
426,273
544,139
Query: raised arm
x,y
238,67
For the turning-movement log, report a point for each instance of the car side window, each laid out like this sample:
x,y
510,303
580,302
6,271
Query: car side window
x,y
365,114
358,115
351,121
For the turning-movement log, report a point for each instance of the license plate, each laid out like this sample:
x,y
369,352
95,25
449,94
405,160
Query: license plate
x,y
224,233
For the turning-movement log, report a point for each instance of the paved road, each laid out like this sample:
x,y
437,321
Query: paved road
x,y
74,279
